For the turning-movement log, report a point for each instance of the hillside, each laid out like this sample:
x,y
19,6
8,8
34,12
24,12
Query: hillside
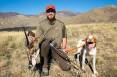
x,y
8,14
13,58
104,14
97,15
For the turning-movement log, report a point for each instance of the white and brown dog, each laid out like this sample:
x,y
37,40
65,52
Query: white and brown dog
x,y
32,53
87,48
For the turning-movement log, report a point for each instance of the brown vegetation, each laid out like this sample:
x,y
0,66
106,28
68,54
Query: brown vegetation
x,y
13,58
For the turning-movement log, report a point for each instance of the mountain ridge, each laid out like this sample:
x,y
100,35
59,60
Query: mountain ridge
x,y
104,14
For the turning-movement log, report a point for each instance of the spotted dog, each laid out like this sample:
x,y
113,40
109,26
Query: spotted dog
x,y
86,52
32,53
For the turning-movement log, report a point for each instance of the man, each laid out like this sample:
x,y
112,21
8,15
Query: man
x,y
54,31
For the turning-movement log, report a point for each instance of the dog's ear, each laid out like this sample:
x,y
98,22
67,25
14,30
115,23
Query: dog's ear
x,y
85,39
94,39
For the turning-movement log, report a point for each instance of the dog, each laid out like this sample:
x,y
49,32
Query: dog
x,y
87,48
32,53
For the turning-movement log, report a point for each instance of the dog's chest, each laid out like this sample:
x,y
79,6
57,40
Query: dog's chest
x,y
91,49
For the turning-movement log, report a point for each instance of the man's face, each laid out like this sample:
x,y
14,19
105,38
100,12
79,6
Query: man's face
x,y
50,14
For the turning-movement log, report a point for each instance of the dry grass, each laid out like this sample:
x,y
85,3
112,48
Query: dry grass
x,y
13,59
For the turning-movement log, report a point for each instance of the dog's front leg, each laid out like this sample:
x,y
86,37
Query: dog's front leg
x,y
78,53
34,56
83,58
94,61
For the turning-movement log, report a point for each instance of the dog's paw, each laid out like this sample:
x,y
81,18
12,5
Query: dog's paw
x,y
95,72
83,70
93,75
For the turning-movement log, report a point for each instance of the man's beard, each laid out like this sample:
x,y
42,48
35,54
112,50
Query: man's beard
x,y
51,19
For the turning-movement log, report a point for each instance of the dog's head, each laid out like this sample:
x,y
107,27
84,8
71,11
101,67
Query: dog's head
x,y
91,39
31,37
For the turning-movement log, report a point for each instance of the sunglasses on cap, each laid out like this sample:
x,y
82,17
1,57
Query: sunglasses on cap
x,y
50,10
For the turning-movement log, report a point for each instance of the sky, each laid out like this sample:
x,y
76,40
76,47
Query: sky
x,y
34,7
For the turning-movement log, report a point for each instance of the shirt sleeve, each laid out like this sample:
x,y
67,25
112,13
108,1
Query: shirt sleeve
x,y
39,31
64,32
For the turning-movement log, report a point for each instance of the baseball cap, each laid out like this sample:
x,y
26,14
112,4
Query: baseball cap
x,y
50,8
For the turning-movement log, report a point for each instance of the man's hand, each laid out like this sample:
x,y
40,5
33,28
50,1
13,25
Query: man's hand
x,y
64,43
64,50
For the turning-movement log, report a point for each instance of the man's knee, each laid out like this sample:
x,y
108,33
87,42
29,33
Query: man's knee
x,y
45,48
